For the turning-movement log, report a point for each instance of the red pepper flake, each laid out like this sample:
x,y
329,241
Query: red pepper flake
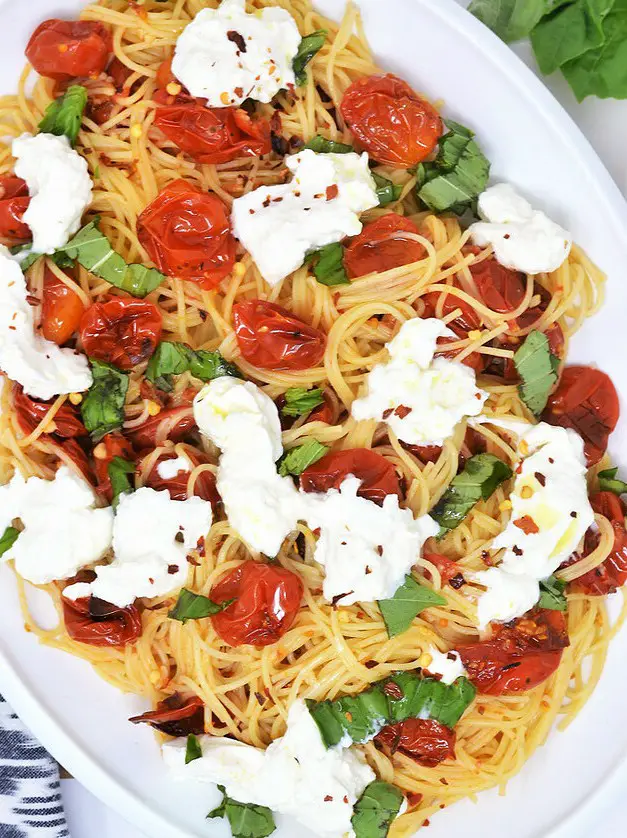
x,y
573,514
402,411
527,525
251,211
393,690
328,798
516,550
194,562
368,570
172,569
239,42
370,664
332,191
413,799
481,709
540,478
457,581
444,781
387,413
380,549
337,598
345,798
551,460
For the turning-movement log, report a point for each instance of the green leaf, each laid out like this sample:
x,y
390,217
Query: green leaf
x,y
192,749
511,20
375,810
481,476
537,368
171,358
207,365
247,820
63,117
299,401
94,252
568,33
102,408
608,482
552,594
387,191
191,606
299,458
323,146
8,539
409,600
308,47
328,265
119,470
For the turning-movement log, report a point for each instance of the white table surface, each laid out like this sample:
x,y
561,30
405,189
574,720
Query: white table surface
x,y
605,125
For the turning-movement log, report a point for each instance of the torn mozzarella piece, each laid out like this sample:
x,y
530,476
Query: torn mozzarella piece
x,y
446,664
168,469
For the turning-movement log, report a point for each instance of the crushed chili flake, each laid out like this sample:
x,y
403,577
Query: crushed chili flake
x,y
332,191
387,413
337,598
173,568
540,478
380,549
516,550
370,664
328,798
573,514
402,411
457,581
239,42
527,525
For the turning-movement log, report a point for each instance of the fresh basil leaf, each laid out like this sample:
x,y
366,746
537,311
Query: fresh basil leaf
x,y
29,260
62,260
192,749
299,401
119,470
552,594
8,539
171,358
387,192
481,476
307,48
94,252
328,265
609,482
537,368
323,146
511,20
102,408
247,820
298,459
63,117
568,33
409,600
207,365
375,810
191,606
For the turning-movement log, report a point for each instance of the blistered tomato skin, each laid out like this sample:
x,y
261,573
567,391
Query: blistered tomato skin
x,y
390,121
425,741
61,309
378,475
30,413
176,716
381,246
14,201
66,49
121,331
97,623
611,574
267,600
204,485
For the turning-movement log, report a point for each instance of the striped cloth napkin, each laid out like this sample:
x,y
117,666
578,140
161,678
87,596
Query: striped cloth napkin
x,y
30,796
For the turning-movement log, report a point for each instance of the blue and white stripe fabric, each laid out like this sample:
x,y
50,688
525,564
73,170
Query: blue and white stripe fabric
x,y
30,795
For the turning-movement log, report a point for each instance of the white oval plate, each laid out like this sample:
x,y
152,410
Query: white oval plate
x,y
532,142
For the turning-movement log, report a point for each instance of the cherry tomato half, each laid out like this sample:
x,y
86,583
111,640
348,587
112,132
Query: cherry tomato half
x,y
176,716
119,73
121,331
110,446
61,309
65,49
187,234
392,123
69,449
500,288
586,401
611,574
381,246
267,599
14,201
424,740
378,475
30,412
175,424
204,487
272,338
521,655
98,623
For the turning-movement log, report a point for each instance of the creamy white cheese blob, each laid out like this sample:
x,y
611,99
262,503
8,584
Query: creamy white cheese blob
x,y
446,664
523,239
420,397
59,185
152,535
550,515
168,469
63,531
226,56
42,368
278,225
296,775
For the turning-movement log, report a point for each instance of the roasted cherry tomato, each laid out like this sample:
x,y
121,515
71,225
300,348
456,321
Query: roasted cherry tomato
x,y
98,623
65,49
450,572
175,424
176,716
392,123
586,401
381,246
424,740
272,338
165,74
267,599
521,655
61,309
440,304
187,234
121,331
69,449
119,73
378,475
30,412
500,288
326,412
110,446
14,201
611,574
204,487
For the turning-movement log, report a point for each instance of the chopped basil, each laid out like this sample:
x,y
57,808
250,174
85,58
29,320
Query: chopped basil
x,y
409,600
323,146
298,459
299,401
608,482
403,695
552,594
387,191
94,252
8,539
191,606
375,810
481,476
247,820
511,20
63,117
102,408
29,259
328,265
308,47
119,470
171,358
537,368
192,749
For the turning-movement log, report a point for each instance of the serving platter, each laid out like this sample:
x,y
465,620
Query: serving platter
x,y
531,142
